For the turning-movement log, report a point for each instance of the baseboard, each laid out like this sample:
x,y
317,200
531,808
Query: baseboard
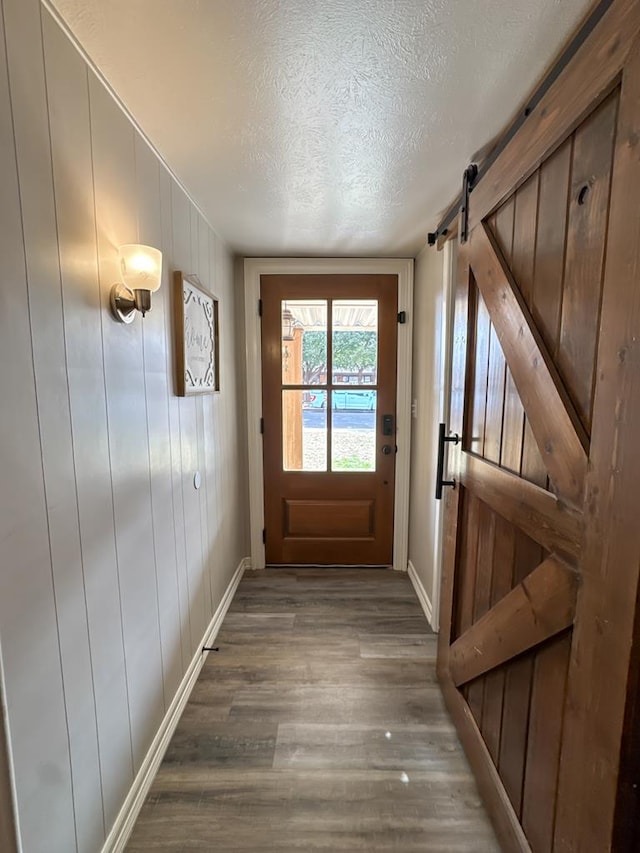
x,y
124,823
421,592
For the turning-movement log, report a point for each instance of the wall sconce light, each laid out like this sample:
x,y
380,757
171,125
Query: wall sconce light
x,y
141,273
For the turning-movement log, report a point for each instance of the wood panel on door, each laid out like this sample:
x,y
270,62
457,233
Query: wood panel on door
x,y
539,629
329,406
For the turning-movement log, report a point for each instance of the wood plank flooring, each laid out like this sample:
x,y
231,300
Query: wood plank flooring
x,y
318,726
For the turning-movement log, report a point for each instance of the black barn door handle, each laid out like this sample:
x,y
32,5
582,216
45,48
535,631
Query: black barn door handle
x,y
442,437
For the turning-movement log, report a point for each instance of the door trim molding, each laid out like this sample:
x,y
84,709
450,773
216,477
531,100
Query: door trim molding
x,y
449,272
253,269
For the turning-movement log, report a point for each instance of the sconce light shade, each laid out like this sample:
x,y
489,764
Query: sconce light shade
x,y
141,267
141,273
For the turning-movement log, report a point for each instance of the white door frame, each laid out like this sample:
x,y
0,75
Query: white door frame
x,y
449,279
253,269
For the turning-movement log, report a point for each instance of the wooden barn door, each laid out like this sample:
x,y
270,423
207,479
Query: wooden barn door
x,y
542,531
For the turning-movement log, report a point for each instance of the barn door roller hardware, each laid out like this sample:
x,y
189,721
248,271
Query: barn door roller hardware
x,y
468,180
590,23
442,437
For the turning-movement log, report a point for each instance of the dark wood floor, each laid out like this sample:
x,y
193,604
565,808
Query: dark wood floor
x,y
317,726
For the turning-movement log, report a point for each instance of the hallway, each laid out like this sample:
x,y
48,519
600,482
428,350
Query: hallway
x,y
318,725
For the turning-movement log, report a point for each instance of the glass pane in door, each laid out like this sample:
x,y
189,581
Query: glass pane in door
x,y
304,430
304,341
355,341
353,429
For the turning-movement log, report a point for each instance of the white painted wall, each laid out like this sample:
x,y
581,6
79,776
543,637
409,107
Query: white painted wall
x,y
431,313
111,563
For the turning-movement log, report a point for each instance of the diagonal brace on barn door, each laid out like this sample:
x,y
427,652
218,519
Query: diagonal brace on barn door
x,y
537,512
555,424
541,606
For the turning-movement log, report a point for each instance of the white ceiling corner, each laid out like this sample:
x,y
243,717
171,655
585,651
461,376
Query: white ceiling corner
x,y
338,127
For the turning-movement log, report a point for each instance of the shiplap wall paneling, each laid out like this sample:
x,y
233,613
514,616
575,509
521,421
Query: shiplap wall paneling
x,y
226,495
200,268
157,384
182,260
31,659
208,443
201,264
112,562
166,193
51,382
194,410
220,410
116,221
67,87
205,277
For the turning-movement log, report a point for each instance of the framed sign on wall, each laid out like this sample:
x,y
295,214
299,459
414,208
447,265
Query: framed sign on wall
x,y
196,337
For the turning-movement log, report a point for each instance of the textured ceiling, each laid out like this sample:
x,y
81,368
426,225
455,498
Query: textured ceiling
x,y
322,127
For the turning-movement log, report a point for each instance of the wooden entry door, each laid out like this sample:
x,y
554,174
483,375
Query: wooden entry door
x,y
329,404
539,642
